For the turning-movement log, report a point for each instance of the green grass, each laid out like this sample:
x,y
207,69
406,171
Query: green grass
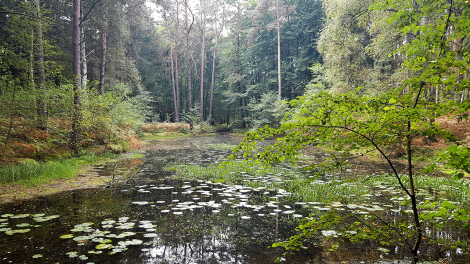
x,y
38,173
137,156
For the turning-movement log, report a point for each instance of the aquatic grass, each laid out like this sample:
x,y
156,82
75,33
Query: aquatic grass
x,y
33,172
448,188
300,186
221,146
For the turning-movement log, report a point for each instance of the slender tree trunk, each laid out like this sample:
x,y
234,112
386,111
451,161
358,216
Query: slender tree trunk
x,y
213,79
201,107
103,62
41,106
31,63
77,100
188,65
211,113
84,70
278,52
10,125
414,205
239,66
176,62
172,68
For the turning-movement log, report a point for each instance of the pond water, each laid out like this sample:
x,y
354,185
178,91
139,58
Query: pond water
x,y
152,218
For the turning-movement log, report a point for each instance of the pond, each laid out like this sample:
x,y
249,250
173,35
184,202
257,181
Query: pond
x,y
154,217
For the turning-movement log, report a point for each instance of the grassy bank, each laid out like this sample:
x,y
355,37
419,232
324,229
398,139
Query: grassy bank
x,y
30,171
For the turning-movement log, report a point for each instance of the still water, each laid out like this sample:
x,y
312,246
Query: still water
x,y
152,218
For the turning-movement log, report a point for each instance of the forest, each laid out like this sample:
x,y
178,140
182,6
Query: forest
x,y
325,104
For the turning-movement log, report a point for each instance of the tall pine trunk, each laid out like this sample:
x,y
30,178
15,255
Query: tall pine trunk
x,y
278,52
41,82
77,100
211,113
188,65
176,62
172,68
103,61
84,69
201,107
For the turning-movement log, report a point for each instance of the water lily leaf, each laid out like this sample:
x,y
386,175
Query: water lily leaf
x,y
23,225
83,238
3,220
102,240
7,215
104,246
83,257
383,249
37,256
20,216
38,215
95,252
72,254
18,231
66,236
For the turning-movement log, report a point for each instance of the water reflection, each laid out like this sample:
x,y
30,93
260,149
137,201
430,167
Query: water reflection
x,y
154,219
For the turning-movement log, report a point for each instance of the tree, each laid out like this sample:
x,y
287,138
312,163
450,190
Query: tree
x,y
353,123
176,62
42,110
188,65
217,35
75,137
172,67
278,52
203,56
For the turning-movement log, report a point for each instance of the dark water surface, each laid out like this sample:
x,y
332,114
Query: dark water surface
x,y
167,221
154,219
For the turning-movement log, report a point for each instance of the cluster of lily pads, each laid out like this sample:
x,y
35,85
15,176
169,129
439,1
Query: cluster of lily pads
x,y
234,198
102,238
25,227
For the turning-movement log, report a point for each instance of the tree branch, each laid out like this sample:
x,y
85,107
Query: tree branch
x,y
84,18
21,14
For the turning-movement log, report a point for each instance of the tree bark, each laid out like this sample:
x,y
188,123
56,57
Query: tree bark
x,y
103,62
77,100
278,52
41,83
213,65
176,62
201,107
172,68
84,70
188,65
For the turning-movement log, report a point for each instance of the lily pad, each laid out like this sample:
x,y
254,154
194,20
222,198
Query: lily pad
x,y
383,249
18,231
37,256
72,254
66,236
7,215
104,246
20,216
